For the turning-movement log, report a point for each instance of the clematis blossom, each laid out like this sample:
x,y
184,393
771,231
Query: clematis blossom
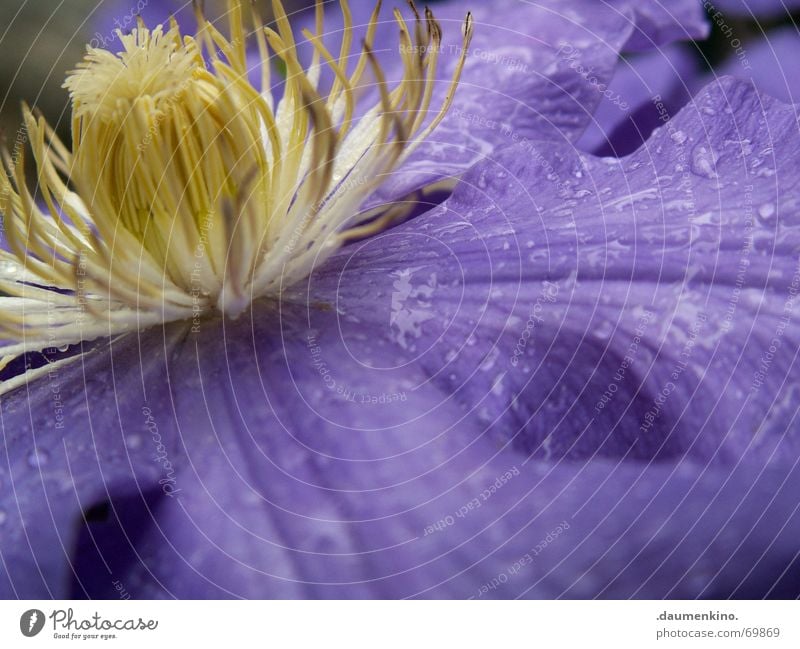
x,y
575,377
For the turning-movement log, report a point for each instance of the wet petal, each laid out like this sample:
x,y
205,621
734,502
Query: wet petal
x,y
648,88
687,249
65,453
658,24
534,72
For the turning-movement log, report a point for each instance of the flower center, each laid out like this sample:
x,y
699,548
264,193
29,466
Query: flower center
x,y
104,86
188,190
181,164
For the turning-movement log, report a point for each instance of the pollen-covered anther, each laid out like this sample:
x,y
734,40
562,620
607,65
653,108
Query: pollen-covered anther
x,y
188,189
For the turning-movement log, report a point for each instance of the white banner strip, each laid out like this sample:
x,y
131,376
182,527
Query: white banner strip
x,y
405,625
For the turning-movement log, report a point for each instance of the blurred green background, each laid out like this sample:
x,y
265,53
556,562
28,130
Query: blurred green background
x,y
40,40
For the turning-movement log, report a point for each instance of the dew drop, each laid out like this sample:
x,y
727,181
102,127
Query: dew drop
x,y
8,268
133,442
38,457
679,137
766,211
3,516
704,162
484,416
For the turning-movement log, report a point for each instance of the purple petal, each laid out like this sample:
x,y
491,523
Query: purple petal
x,y
655,85
270,500
63,456
646,88
769,63
694,230
659,23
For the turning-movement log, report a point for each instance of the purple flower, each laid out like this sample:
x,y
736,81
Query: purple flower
x,y
575,377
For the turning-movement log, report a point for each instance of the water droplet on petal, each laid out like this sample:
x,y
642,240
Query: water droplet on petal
x,y
38,457
704,162
133,441
766,212
679,137
3,516
8,268
604,330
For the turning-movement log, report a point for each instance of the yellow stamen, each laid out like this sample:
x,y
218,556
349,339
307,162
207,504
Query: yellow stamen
x,y
188,190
